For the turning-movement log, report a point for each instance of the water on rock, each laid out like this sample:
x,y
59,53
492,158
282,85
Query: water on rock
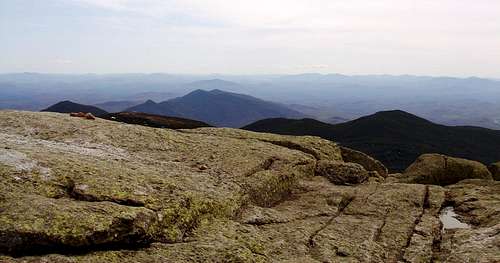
x,y
449,220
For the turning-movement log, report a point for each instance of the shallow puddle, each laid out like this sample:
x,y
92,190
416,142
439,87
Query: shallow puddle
x,y
449,220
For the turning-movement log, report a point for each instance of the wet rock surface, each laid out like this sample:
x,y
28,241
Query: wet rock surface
x,y
101,191
477,203
449,219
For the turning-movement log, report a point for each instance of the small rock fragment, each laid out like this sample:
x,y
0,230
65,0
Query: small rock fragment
x,y
89,116
77,114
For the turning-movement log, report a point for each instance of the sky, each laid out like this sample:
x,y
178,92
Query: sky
x,y
421,37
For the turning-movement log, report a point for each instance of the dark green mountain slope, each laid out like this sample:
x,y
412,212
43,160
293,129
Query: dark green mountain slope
x,y
396,138
69,106
153,120
218,108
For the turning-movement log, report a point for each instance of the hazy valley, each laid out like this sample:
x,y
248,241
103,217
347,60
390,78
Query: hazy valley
x,y
444,100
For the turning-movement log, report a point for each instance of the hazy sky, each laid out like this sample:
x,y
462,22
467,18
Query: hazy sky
x,y
426,37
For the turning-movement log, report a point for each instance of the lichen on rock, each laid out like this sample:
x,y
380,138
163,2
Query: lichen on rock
x,y
443,170
78,191
342,173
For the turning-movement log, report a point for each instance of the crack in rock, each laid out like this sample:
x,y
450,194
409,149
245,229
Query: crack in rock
x,y
342,206
294,146
286,144
67,250
77,192
278,222
425,205
265,165
378,232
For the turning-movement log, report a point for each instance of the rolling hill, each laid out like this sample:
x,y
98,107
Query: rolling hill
x,y
396,138
152,120
69,106
218,108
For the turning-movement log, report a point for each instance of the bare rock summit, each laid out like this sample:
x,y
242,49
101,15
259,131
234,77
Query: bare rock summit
x,y
102,191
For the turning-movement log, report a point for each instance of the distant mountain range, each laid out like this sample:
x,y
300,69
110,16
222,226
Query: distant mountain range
x,y
396,138
215,107
336,120
444,100
69,106
218,108
117,106
211,83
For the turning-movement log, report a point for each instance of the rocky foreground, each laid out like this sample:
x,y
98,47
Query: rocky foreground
x,y
76,190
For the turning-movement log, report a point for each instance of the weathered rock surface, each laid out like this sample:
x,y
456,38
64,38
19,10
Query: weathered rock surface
x,y
73,190
443,170
495,170
342,173
320,149
478,203
369,163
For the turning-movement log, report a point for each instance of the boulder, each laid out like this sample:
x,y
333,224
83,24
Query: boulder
x,y
495,170
342,173
440,169
33,224
369,163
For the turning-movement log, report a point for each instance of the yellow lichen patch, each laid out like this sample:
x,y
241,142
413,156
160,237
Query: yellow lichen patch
x,y
101,188
190,212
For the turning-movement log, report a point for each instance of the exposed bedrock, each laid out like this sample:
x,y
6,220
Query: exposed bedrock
x,y
73,190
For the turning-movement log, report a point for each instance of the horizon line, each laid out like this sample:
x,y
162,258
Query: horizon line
x,y
255,74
